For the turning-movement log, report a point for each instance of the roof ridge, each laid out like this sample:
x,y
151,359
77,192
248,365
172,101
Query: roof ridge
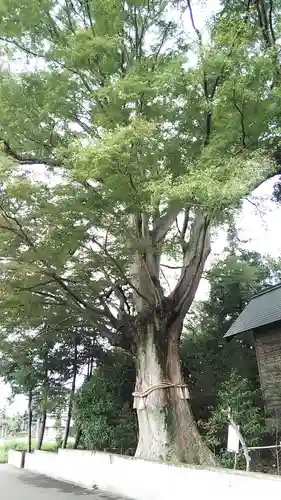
x,y
260,311
265,290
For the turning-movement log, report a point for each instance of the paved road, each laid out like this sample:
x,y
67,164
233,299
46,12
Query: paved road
x,y
17,484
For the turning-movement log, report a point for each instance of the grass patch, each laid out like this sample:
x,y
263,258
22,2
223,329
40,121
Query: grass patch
x,y
21,446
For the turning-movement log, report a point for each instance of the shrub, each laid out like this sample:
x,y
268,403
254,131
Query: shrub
x,y
20,445
103,406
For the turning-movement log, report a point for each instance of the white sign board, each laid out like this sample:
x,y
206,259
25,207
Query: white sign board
x,y
232,440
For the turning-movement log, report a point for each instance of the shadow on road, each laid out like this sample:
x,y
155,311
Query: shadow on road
x,y
47,483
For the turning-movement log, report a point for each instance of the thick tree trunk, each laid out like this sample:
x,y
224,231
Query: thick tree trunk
x,y
167,430
29,430
41,430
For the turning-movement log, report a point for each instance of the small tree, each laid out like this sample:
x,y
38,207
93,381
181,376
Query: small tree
x,y
237,394
20,372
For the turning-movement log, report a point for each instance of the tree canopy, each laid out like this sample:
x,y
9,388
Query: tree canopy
x,y
106,96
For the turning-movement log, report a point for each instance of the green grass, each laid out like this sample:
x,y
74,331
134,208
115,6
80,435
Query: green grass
x,y
20,446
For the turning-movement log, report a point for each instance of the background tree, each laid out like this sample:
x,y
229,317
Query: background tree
x,y
21,373
10,424
207,359
146,154
52,359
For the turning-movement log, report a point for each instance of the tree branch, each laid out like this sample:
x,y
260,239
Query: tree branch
x,y
78,300
171,267
240,111
261,10
198,249
165,222
29,160
162,41
271,22
119,268
166,280
185,223
198,34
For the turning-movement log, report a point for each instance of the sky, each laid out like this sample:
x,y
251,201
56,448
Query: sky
x,y
259,225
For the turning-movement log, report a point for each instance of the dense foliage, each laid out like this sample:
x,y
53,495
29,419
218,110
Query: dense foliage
x,y
103,406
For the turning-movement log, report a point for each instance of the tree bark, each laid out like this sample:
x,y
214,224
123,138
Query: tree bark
x,y
29,430
167,430
41,430
77,438
71,397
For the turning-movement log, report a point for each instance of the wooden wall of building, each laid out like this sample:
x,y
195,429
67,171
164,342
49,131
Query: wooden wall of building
x,y
268,351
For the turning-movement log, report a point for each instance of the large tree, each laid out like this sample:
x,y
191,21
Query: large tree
x,y
148,136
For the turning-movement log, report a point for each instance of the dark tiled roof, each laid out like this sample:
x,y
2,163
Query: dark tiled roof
x,y
263,309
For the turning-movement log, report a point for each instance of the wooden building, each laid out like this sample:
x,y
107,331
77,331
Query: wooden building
x,y
262,318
